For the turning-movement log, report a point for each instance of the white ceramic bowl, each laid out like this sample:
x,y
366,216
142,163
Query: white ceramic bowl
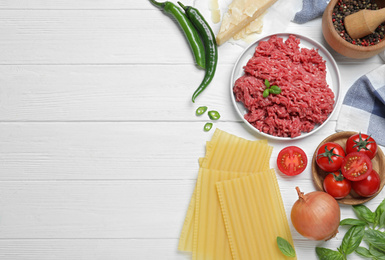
x,y
332,78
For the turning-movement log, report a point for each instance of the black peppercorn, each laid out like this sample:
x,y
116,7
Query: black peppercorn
x,y
346,7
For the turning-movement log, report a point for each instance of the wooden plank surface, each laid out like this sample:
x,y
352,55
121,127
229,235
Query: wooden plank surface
x,y
116,151
122,92
106,37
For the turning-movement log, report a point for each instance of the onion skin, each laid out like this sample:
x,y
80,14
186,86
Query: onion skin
x,y
316,215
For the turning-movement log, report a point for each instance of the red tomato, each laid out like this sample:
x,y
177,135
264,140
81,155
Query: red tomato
x,y
336,185
356,166
330,156
292,160
368,186
362,143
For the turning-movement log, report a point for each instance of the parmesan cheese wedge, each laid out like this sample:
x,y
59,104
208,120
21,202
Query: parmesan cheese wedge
x,y
240,13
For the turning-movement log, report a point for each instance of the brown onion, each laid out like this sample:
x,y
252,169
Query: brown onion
x,y
316,215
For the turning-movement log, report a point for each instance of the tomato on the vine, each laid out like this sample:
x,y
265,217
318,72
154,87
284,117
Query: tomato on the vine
x,y
356,166
368,186
330,156
336,185
292,160
362,143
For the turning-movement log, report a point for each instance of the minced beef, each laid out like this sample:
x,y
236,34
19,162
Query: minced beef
x,y
306,99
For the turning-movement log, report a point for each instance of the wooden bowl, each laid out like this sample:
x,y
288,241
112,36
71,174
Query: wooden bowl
x,y
319,175
340,45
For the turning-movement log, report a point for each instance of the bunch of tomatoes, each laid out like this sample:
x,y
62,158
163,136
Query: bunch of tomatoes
x,y
350,168
347,169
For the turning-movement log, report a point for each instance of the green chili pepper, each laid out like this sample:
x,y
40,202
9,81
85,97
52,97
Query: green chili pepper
x,y
209,43
200,110
188,28
214,115
207,127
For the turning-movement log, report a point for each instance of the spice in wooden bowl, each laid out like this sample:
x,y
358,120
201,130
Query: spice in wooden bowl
x,y
344,8
335,33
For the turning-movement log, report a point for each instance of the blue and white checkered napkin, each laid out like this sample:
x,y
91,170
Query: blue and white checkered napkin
x,y
363,108
310,9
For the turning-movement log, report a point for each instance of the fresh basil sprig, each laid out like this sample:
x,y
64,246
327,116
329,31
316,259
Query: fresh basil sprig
x,y
366,228
285,247
352,222
270,89
380,215
376,239
364,252
352,239
328,254
376,254
364,213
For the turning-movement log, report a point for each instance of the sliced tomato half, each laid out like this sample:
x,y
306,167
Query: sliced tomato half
x,y
356,166
292,160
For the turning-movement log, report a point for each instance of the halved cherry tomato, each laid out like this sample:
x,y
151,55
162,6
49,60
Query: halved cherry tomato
x,y
292,160
368,186
356,166
362,143
330,156
336,185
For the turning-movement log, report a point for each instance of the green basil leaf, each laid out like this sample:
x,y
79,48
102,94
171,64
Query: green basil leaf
x,y
275,90
267,83
364,213
377,253
380,214
328,254
381,220
375,238
362,251
266,93
352,222
352,239
285,247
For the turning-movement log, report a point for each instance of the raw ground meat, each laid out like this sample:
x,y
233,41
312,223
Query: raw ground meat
x,y
306,99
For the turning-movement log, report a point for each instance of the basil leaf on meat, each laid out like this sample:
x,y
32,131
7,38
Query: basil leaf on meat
x,y
267,83
266,93
275,90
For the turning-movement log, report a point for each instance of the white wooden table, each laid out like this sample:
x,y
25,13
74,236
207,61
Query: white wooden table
x,y
99,141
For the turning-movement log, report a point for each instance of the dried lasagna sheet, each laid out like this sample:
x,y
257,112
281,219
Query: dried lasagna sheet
x,y
254,216
225,152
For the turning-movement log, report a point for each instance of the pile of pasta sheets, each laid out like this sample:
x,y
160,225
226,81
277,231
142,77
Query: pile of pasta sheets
x,y
236,209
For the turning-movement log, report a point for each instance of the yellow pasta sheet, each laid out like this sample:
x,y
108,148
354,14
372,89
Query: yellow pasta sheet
x,y
228,152
254,216
210,239
225,152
